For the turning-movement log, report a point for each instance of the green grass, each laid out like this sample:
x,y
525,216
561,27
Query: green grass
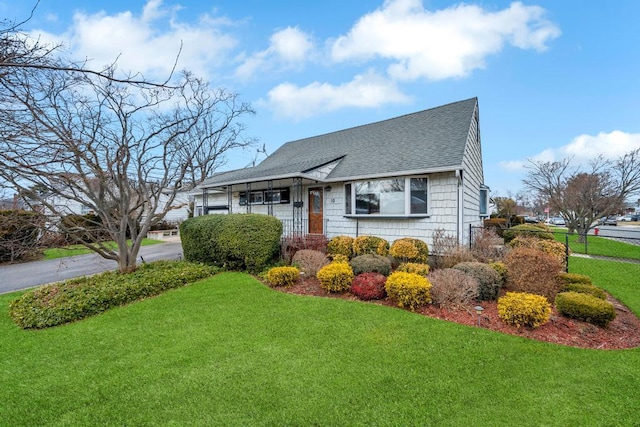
x,y
71,250
229,351
600,246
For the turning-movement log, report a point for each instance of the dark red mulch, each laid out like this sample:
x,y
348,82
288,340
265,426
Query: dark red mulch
x,y
622,333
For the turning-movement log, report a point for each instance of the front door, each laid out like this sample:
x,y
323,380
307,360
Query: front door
x,y
315,211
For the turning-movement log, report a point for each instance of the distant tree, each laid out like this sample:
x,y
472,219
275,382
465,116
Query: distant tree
x,y
115,145
506,207
582,196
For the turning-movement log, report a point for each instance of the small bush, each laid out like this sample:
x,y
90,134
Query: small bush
x,y
496,224
414,267
446,251
340,245
523,309
574,278
501,269
551,247
408,289
283,276
533,271
290,245
371,264
585,307
451,287
539,231
79,298
335,277
585,289
363,245
488,279
487,246
410,250
310,261
340,258
19,232
369,286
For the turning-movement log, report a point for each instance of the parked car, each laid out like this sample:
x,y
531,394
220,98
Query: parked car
x,y
556,220
608,220
628,218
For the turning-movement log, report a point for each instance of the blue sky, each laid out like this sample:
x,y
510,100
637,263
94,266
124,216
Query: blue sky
x,y
554,78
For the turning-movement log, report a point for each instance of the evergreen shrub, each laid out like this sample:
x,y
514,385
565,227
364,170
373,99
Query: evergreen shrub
x,y
408,289
585,307
524,309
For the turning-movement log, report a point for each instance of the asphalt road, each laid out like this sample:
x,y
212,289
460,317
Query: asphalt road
x,y
26,275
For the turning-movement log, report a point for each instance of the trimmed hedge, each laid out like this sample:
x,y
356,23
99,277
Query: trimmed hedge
x,y
363,245
408,289
369,286
19,232
371,264
410,250
585,307
283,276
335,277
77,299
524,309
533,230
235,241
489,280
414,267
340,245
586,289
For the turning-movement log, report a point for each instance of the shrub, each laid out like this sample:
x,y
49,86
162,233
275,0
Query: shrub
x,y
585,289
410,250
283,276
408,289
290,245
76,299
414,267
19,232
539,231
497,224
488,279
340,245
368,286
451,287
487,246
446,251
501,269
574,278
86,228
523,309
310,261
585,307
335,277
363,245
551,247
371,263
340,258
234,241
533,271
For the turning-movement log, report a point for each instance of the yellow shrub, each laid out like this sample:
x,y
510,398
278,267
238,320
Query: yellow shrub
x,y
340,258
410,250
340,246
363,245
408,289
551,247
501,269
523,309
335,277
283,276
414,267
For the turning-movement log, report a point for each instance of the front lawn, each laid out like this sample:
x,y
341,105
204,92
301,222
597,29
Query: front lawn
x,y
230,351
71,250
600,246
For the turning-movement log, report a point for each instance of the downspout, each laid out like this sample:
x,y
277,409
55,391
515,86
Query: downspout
x,y
460,207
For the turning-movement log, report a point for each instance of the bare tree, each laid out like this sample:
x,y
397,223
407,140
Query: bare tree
x,y
123,148
581,196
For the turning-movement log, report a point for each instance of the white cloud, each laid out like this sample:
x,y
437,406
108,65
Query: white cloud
x,y
147,42
584,148
366,90
446,43
287,48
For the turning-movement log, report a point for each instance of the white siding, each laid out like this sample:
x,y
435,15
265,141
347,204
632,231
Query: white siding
x,y
473,178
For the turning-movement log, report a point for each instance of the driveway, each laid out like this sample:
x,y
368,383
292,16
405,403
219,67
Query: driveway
x,y
26,275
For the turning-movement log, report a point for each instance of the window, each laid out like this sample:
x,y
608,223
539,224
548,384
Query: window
x,y
397,196
261,197
484,201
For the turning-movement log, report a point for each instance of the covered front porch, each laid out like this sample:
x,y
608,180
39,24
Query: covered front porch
x,y
299,202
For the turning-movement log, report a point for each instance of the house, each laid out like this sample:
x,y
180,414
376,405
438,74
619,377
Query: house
x,y
401,177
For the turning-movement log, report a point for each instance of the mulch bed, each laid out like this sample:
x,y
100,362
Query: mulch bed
x,y
622,333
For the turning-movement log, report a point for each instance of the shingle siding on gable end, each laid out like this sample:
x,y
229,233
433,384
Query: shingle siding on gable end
x,y
473,175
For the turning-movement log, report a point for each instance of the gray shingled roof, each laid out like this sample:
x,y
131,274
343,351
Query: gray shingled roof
x,y
432,139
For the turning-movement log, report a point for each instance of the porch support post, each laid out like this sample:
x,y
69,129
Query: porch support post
x,y
248,187
230,199
270,198
205,201
298,203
